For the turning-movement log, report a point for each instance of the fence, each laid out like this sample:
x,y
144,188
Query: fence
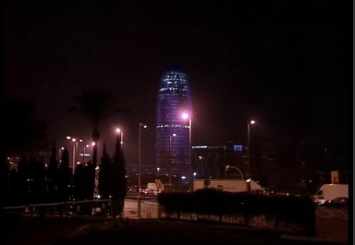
x,y
90,207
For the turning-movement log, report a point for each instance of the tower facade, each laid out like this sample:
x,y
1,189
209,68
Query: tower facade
x,y
173,133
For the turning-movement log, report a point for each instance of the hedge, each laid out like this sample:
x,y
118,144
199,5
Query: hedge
x,y
290,209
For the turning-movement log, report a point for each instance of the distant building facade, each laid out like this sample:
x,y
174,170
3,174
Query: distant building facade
x,y
173,149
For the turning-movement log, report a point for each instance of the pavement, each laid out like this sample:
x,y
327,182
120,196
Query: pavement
x,y
147,231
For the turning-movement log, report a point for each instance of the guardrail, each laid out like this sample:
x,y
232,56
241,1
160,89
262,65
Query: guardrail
x,y
69,207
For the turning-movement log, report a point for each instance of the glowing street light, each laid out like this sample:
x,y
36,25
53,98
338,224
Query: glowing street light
x,y
119,132
185,116
250,124
93,143
140,126
170,155
68,137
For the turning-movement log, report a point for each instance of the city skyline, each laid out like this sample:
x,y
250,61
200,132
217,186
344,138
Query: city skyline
x,y
290,79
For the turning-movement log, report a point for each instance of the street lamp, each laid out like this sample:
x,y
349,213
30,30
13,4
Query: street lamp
x,y
250,124
140,126
73,140
119,132
171,157
185,116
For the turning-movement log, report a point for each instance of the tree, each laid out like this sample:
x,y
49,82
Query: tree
x,y
118,178
64,176
52,174
4,181
105,180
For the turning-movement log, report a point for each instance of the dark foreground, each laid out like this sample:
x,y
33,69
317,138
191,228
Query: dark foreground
x,y
100,231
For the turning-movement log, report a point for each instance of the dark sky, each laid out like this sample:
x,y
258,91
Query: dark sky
x,y
280,62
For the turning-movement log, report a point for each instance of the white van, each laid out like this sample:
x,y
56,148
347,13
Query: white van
x,y
329,192
229,185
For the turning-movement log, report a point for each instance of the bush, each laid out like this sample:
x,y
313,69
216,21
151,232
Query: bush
x,y
290,209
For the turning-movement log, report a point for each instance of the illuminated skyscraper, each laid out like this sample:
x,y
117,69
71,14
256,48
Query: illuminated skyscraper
x,y
173,149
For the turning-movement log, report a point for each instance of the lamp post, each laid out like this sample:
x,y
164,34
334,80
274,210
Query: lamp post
x,y
171,157
119,133
158,169
73,160
140,126
185,116
250,124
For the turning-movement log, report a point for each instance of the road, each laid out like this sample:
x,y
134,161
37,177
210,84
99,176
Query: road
x,y
149,208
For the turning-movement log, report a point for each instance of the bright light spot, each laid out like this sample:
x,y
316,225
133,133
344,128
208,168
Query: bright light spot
x,y
97,168
158,169
93,143
68,137
80,140
78,163
98,197
200,157
195,174
118,130
73,139
145,126
87,146
46,165
248,180
183,177
62,148
174,135
199,147
252,122
185,116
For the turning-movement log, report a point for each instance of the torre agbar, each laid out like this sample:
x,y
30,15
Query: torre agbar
x,y
173,132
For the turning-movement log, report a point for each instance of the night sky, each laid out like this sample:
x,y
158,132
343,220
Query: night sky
x,y
279,62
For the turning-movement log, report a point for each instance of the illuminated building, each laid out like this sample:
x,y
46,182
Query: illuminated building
x,y
173,149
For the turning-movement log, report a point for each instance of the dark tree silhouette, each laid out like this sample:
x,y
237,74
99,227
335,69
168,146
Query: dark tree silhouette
x,y
105,180
4,179
64,176
118,177
52,175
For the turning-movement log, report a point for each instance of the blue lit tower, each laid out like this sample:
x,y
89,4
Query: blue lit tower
x,y
173,153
